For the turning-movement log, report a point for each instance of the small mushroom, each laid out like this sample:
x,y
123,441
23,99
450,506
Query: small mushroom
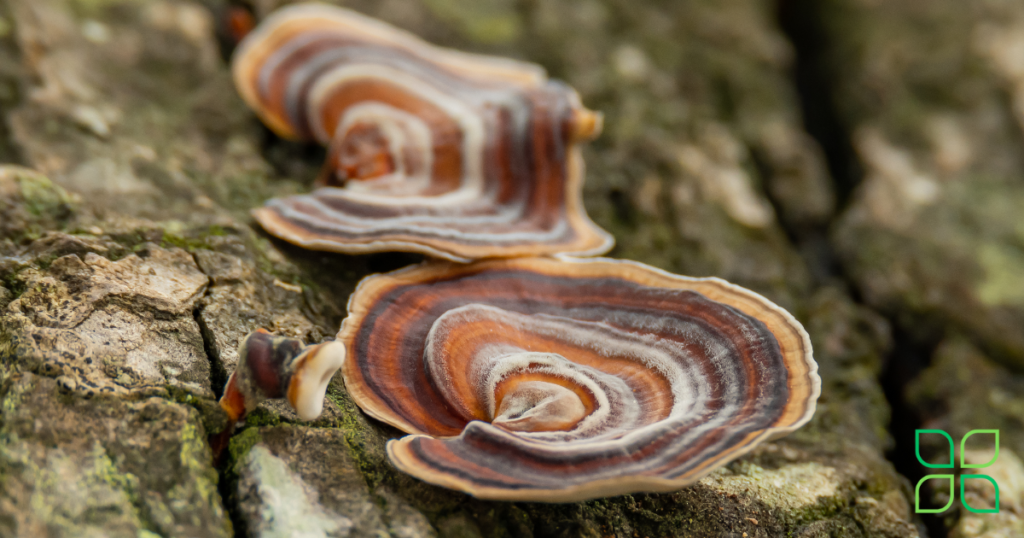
x,y
561,380
272,367
436,151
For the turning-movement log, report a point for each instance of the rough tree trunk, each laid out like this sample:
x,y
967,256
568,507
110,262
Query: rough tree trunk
x,y
129,268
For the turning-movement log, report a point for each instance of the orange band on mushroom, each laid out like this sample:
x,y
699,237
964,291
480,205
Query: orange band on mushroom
x,y
561,380
431,150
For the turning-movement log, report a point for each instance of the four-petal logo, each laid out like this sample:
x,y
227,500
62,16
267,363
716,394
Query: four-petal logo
x,y
950,477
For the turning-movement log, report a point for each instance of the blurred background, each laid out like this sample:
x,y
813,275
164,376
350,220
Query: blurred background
x,y
858,162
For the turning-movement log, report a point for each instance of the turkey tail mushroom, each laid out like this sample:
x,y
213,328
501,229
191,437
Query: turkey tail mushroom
x,y
431,150
564,380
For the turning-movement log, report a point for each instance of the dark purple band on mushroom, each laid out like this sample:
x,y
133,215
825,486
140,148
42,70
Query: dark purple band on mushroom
x,y
540,379
269,360
430,150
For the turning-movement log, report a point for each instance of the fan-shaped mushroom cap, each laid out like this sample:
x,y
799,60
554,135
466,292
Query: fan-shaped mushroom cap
x,y
431,150
562,380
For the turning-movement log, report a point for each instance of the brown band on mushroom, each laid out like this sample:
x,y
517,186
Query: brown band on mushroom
x,y
560,380
431,150
271,367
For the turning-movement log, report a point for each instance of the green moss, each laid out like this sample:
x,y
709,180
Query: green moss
x,y
240,445
34,204
355,431
105,471
196,459
181,395
190,240
346,407
132,241
44,199
262,418
212,416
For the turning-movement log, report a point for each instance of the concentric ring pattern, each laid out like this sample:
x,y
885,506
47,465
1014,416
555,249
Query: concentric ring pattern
x,y
559,380
431,150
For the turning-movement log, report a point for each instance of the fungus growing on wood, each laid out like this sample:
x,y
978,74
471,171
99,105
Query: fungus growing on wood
x,y
272,366
563,380
445,153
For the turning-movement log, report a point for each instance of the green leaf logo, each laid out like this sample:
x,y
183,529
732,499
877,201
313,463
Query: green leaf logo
x,y
950,478
917,449
963,442
963,499
917,495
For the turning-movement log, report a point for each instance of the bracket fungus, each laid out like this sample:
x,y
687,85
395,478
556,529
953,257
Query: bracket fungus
x,y
539,379
520,378
454,155
271,367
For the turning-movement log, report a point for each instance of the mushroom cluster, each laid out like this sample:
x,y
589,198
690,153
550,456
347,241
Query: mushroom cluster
x,y
526,374
454,155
